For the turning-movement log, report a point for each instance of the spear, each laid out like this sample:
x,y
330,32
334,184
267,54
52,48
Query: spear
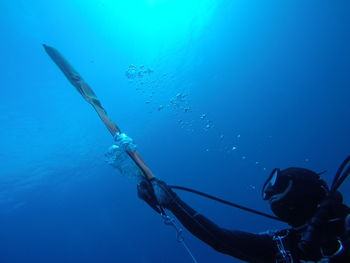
x,y
89,95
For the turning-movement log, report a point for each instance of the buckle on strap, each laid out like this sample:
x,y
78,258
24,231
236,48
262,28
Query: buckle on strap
x,y
283,255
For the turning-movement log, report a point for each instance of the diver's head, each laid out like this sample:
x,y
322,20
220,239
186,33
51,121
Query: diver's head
x,y
294,194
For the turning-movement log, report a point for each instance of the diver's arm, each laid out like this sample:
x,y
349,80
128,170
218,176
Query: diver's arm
x,y
245,246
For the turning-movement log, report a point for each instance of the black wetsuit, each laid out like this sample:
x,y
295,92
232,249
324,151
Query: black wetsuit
x,y
261,247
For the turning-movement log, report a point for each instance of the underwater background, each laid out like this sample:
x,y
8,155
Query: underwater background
x,y
215,94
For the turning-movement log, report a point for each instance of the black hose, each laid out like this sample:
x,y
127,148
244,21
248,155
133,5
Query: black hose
x,y
342,173
227,202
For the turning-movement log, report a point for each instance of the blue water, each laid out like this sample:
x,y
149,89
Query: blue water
x,y
234,89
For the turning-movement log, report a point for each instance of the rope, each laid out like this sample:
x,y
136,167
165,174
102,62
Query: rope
x,y
179,234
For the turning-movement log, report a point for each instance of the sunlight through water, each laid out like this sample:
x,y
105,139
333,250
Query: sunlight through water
x,y
151,20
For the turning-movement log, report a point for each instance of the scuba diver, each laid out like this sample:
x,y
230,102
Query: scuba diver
x,y
319,221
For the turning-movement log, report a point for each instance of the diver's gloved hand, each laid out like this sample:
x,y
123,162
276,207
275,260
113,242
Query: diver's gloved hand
x,y
145,191
156,193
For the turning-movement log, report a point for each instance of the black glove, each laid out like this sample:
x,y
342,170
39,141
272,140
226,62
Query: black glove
x,y
156,194
145,192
